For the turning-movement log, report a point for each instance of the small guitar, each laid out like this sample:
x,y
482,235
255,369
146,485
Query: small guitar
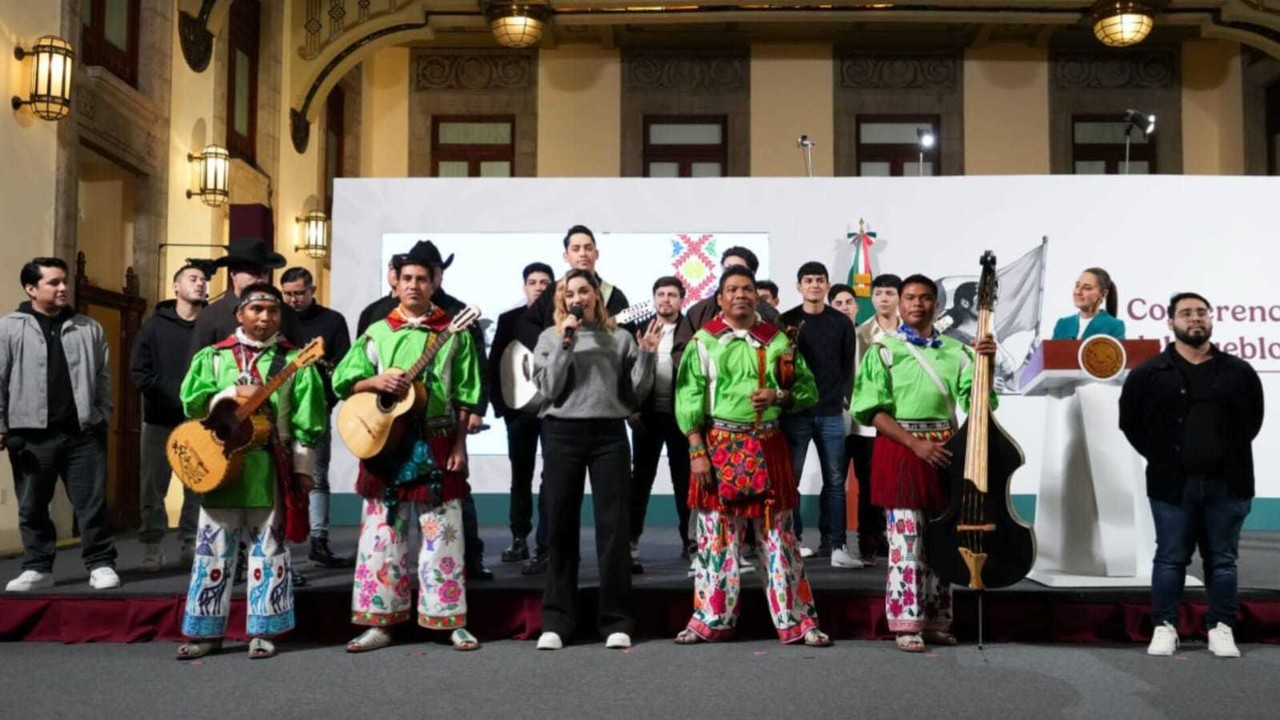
x,y
367,419
206,453
518,389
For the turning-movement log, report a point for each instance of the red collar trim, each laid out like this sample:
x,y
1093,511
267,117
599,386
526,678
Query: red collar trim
x,y
438,320
762,331
230,341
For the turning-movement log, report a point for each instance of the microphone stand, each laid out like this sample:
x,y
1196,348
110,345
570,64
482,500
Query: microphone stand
x,y
806,146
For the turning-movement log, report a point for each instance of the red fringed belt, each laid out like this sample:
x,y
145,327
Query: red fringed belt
x,y
781,493
900,479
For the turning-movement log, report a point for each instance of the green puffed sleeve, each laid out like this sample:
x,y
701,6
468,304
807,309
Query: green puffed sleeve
x,y
354,367
691,389
964,383
465,372
873,387
309,412
200,384
805,388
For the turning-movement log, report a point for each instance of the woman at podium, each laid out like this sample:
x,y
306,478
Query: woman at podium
x,y
1095,299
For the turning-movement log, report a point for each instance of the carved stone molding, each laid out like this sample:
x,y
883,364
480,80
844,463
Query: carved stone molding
x,y
473,71
897,72
685,72
1137,70
119,119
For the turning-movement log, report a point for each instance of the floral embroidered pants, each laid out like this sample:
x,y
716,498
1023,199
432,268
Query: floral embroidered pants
x,y
270,577
717,582
915,599
382,593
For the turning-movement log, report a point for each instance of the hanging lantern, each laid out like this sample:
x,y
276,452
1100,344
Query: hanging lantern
x,y
1121,23
517,25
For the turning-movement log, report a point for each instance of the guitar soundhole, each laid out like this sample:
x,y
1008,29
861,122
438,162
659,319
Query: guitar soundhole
x,y
386,402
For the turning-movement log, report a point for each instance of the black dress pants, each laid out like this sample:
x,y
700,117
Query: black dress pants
x,y
657,429
523,430
871,539
571,449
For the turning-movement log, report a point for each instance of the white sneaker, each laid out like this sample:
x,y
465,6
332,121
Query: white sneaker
x,y
840,558
152,557
806,551
1222,642
1164,641
618,641
550,641
635,551
103,578
30,580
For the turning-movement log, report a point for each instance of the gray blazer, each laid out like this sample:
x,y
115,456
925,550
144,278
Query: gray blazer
x,y
24,397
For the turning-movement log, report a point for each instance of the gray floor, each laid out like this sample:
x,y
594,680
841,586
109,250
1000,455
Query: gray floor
x,y
657,679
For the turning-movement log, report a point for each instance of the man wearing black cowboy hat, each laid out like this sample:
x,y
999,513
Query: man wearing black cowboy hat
x,y
248,261
426,252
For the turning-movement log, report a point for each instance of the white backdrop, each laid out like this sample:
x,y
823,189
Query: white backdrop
x,y
1156,235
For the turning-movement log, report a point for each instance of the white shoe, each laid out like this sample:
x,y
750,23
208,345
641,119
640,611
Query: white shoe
x,y
618,641
1222,642
103,578
635,551
840,558
30,580
1164,641
550,641
806,552
693,569
152,557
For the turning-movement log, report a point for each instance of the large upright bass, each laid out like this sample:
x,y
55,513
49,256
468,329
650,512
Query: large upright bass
x,y
979,541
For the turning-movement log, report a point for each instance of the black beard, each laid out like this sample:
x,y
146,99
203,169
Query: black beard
x,y
1195,341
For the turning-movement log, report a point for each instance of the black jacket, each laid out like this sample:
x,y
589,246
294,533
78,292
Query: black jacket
x,y
375,311
1153,406
218,321
508,323
159,363
542,314
319,321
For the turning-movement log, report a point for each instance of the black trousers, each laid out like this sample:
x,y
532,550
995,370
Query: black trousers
x,y
871,528
523,430
80,459
658,429
571,449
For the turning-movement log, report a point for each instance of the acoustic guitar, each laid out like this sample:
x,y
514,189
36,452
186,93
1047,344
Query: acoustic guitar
x,y
206,453
367,420
519,391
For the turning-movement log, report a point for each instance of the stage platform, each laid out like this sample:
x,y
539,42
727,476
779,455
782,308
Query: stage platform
x,y
850,602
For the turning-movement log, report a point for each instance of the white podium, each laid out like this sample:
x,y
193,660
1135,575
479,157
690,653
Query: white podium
x,y
1093,520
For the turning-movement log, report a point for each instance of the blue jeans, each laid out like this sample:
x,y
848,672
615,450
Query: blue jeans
x,y
320,491
827,432
1211,519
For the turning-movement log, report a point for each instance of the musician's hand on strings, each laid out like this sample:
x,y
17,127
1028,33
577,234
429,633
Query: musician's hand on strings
x,y
700,467
932,453
305,483
986,345
652,335
457,461
763,399
396,384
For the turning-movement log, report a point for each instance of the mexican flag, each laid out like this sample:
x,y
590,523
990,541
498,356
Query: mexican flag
x,y
860,272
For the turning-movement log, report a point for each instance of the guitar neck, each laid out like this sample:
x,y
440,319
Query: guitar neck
x,y
975,462
429,353
251,405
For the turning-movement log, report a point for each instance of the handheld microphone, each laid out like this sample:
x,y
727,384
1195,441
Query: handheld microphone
x,y
570,332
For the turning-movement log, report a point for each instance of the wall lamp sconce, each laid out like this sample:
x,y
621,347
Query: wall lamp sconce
x,y
52,61
215,169
315,235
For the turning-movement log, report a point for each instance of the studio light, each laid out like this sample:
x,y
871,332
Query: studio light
x,y
1146,124
1121,23
926,138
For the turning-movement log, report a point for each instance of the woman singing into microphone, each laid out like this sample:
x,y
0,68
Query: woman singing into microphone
x,y
594,375
1095,299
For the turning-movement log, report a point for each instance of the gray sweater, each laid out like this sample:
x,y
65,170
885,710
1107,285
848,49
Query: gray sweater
x,y
604,375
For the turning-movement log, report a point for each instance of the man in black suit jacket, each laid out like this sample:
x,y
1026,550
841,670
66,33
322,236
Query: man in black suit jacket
x,y
523,429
